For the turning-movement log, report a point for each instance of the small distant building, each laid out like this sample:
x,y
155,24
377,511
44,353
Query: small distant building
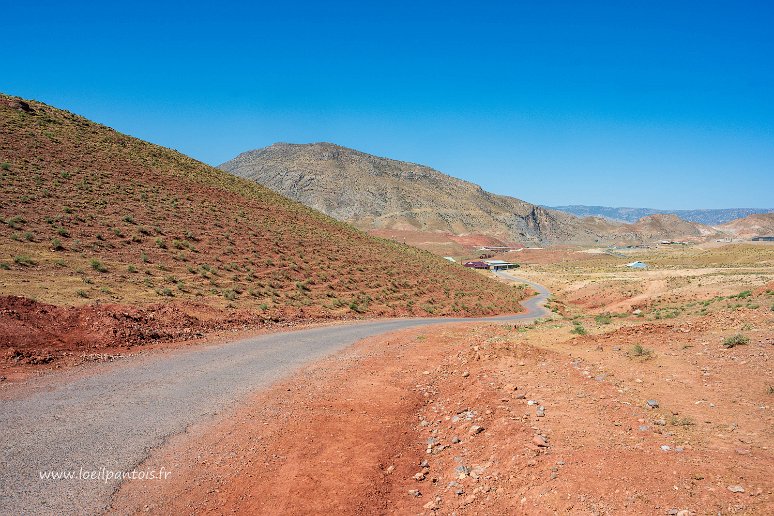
x,y
477,265
763,239
637,265
450,259
497,265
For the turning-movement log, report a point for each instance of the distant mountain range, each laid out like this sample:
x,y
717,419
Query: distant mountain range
x,y
415,203
709,217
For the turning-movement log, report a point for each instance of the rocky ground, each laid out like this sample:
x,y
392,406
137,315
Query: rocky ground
x,y
638,412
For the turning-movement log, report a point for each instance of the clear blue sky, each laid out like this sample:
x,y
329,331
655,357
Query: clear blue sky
x,y
650,104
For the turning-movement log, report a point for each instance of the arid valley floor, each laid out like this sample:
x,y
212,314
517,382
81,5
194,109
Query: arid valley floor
x,y
646,392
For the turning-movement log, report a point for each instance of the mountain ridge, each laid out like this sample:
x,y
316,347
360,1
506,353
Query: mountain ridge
x,y
708,216
385,195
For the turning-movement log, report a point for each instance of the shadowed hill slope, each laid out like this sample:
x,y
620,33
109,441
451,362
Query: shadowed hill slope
x,y
94,217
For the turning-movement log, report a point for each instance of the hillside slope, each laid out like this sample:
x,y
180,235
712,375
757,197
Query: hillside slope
x,y
377,193
94,217
761,224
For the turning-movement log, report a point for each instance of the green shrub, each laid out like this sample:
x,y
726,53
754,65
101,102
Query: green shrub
x,y
578,329
81,293
15,222
5,165
229,294
131,268
23,260
165,292
98,265
160,243
603,319
62,232
56,244
735,340
4,266
638,350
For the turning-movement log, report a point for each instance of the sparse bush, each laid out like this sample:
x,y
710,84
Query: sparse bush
x,y
62,232
638,350
165,292
131,268
681,421
28,236
263,306
56,244
230,294
15,222
735,340
82,293
128,219
23,260
4,266
603,319
5,165
160,243
144,258
98,265
578,328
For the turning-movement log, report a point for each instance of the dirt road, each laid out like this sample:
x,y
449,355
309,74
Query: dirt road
x,y
109,419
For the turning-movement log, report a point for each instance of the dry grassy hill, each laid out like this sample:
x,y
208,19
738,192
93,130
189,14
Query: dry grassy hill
x,y
152,243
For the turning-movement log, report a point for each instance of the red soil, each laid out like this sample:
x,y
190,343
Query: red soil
x,y
347,435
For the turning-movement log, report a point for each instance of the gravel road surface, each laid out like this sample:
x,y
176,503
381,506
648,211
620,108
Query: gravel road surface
x,y
109,419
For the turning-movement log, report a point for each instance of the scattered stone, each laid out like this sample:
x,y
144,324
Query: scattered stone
x,y
465,374
541,411
414,492
510,387
664,447
684,512
469,499
531,402
539,440
455,440
462,471
616,348
431,506
736,489
659,422
644,428
424,464
475,429
652,404
520,396
419,476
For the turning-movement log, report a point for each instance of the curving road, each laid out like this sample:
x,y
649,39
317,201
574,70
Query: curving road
x,y
112,417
